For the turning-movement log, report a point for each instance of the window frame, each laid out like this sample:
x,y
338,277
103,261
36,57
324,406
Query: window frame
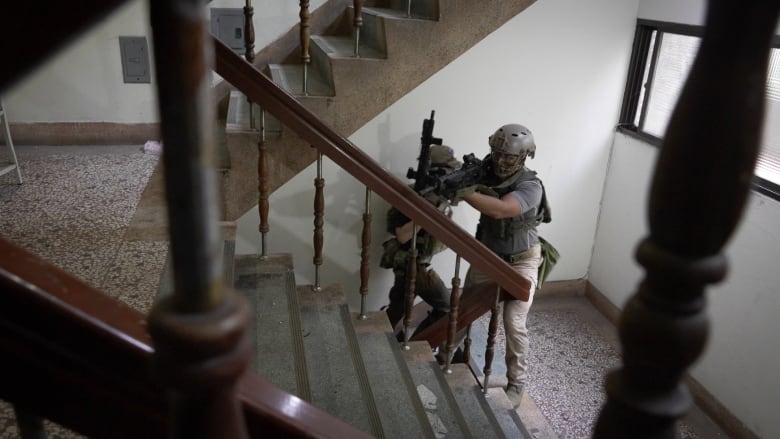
x,y
635,80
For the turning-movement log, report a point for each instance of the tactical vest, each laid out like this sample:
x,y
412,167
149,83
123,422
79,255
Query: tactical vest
x,y
396,254
510,236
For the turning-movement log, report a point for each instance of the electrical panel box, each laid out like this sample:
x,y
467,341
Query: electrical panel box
x,y
227,24
135,59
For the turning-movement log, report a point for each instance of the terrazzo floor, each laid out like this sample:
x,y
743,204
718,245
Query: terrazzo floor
x,y
75,209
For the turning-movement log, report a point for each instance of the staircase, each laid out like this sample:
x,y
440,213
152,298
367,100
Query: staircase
x,y
309,343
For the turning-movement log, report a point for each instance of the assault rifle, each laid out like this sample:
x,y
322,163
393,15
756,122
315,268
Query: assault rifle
x,y
447,185
421,176
438,180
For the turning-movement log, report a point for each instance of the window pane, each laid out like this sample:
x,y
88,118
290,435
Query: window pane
x,y
769,161
645,78
675,57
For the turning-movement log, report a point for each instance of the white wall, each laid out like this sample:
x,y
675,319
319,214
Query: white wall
x,y
742,356
84,82
558,67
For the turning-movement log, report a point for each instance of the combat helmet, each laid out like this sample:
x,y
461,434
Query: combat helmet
x,y
509,147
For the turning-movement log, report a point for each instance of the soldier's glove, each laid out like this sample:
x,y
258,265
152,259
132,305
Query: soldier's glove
x,y
462,193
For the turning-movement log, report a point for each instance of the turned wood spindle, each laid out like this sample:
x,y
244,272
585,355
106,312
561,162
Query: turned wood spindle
x,y
357,24
263,186
319,210
490,349
305,32
700,186
411,279
365,258
200,331
452,324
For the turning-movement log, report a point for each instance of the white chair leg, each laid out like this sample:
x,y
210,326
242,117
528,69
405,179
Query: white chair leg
x,y
9,142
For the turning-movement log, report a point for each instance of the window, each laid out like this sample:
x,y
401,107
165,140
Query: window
x,y
662,57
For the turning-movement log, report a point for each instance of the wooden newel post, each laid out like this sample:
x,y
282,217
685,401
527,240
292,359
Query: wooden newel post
x,y
200,332
700,187
200,357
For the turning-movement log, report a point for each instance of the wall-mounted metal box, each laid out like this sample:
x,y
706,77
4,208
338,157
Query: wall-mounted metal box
x,y
227,24
135,59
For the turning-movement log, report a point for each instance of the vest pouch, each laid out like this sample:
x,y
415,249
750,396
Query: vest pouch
x,y
550,257
391,248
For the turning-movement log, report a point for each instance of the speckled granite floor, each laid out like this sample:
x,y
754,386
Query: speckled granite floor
x,y
572,348
74,210
79,209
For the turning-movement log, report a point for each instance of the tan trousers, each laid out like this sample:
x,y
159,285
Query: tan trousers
x,y
515,315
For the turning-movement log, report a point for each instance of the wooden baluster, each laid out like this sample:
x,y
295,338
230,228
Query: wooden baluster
x,y
357,23
411,279
249,53
305,38
701,184
249,32
467,346
490,349
200,332
453,317
364,254
263,187
319,209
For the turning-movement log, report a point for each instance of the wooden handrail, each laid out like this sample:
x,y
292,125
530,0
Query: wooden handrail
x,y
72,354
261,90
76,356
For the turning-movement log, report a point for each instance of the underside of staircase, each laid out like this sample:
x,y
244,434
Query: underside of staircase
x,y
396,54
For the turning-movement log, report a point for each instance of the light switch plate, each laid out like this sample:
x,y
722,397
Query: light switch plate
x,y
135,59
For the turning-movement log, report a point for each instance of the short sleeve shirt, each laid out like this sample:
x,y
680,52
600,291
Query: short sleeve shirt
x,y
514,239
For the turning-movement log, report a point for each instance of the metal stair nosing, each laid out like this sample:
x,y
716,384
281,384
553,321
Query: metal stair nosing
x,y
400,407
338,378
